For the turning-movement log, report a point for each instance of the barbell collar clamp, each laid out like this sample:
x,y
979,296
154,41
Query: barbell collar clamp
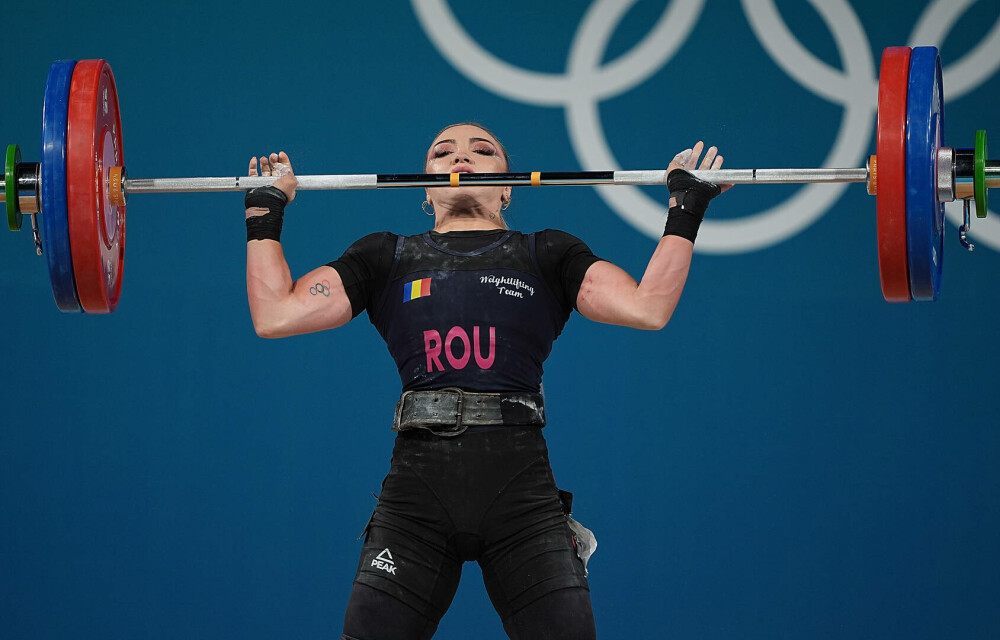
x,y
945,174
27,175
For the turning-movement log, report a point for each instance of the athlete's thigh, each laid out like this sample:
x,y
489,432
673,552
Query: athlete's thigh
x,y
406,552
376,615
560,615
530,551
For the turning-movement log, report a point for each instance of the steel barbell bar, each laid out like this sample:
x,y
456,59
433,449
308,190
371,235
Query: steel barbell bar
x,y
129,186
957,182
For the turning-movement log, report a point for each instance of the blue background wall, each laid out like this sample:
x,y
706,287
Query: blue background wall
x,y
792,457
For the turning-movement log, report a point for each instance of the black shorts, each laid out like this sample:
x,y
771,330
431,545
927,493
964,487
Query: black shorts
x,y
487,495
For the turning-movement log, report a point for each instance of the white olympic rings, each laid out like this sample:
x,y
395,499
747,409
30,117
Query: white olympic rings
x,y
587,82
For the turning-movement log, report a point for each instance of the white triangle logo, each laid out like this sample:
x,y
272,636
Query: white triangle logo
x,y
385,556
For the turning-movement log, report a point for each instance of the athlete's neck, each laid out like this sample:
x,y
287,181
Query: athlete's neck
x,y
468,224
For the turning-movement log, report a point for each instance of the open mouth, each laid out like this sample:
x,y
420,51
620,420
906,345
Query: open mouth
x,y
462,170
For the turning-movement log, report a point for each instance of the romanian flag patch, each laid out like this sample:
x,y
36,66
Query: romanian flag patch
x,y
416,289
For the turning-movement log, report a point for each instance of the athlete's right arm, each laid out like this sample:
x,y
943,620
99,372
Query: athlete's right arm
x,y
279,306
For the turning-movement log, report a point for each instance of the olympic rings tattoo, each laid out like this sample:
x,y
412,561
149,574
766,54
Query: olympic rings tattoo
x,y
321,288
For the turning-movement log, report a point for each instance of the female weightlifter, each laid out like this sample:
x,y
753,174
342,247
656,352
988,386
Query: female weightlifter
x,y
469,311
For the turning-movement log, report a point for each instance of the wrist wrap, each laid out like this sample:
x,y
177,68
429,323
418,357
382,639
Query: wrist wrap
x,y
691,196
683,223
266,226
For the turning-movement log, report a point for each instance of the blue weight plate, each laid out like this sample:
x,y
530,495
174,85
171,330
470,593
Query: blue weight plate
x,y
55,219
924,134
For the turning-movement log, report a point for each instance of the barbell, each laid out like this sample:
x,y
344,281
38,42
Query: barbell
x,y
81,187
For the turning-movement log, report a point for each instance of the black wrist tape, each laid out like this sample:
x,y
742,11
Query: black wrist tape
x,y
683,223
268,225
691,193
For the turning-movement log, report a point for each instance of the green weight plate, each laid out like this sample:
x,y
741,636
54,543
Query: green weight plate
x,y
979,178
10,187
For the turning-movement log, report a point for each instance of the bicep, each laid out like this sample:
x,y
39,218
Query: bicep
x,y
321,292
317,302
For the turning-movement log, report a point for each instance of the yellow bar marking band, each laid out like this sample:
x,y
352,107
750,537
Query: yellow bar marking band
x,y
454,179
536,178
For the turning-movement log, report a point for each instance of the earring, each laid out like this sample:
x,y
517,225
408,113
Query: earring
x,y
424,205
504,203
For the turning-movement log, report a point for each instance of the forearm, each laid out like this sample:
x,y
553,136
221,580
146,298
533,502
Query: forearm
x,y
269,284
657,294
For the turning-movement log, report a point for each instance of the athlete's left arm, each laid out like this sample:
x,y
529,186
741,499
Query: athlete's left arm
x,y
608,294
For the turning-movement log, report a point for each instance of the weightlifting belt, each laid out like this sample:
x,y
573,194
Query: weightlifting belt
x,y
450,411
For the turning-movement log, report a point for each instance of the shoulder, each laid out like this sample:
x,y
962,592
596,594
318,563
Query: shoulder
x,y
557,241
378,237
377,241
556,235
372,249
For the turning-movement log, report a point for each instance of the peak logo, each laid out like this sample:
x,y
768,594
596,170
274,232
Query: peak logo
x,y
385,562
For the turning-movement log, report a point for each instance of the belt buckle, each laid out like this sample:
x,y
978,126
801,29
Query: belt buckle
x,y
398,414
459,406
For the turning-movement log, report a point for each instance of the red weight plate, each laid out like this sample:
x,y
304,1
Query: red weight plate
x,y
890,201
93,146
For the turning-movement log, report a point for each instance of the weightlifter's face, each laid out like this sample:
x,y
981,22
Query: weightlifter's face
x,y
465,148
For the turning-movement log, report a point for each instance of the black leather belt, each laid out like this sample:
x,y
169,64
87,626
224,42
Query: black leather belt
x,y
450,411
